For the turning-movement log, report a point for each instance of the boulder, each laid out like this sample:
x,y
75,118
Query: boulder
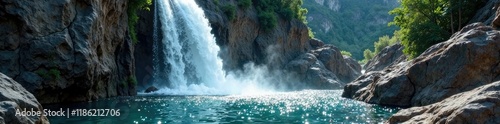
x,y
471,58
477,106
13,97
324,68
151,89
67,51
308,69
388,56
333,60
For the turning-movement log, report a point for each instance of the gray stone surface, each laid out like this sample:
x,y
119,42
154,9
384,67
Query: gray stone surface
x,y
388,56
14,97
72,50
477,106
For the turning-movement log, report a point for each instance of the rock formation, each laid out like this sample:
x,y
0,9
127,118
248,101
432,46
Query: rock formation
x,y
243,40
69,50
14,97
477,106
324,68
471,58
388,56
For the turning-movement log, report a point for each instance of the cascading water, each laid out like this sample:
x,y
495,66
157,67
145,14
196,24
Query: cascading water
x,y
186,56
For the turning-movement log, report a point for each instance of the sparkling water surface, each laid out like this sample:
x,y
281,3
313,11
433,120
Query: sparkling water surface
x,y
308,106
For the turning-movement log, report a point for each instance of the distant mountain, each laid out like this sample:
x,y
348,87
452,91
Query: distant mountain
x,y
352,25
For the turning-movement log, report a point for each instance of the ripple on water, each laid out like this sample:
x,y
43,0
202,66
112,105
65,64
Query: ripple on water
x,y
309,106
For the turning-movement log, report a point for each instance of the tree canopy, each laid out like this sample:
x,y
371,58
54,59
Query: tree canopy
x,y
424,23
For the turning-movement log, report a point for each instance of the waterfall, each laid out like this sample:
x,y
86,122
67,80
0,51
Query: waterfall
x,y
186,58
155,41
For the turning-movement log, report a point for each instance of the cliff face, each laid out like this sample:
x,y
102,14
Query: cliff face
x,y
244,40
73,50
286,47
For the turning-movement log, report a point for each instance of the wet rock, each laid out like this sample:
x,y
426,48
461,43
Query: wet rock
x,y
477,106
14,97
151,89
471,58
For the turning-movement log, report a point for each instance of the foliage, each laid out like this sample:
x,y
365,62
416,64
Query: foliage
x,y
216,2
267,20
133,18
368,54
287,9
132,80
345,53
424,23
124,84
382,42
230,11
354,27
311,33
244,3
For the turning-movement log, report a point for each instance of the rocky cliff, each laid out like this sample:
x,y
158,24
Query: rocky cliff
x,y
14,97
62,51
471,58
244,40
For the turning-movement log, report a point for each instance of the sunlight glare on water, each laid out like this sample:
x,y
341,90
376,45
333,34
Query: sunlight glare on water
x,y
309,106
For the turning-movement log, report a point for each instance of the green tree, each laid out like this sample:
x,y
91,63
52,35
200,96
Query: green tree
x,y
230,11
424,23
345,53
287,9
368,54
382,42
244,3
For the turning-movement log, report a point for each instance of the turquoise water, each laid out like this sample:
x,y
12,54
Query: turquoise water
x,y
309,106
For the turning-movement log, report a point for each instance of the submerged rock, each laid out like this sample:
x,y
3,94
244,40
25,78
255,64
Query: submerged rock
x,y
471,58
477,106
70,50
151,89
14,97
388,56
